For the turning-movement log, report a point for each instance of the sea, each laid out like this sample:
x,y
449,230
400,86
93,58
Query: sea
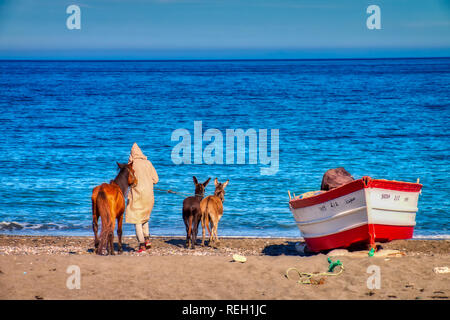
x,y
65,124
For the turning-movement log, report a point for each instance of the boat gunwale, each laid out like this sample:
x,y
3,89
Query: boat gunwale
x,y
363,183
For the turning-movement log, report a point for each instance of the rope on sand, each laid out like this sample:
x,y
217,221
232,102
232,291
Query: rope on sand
x,y
307,278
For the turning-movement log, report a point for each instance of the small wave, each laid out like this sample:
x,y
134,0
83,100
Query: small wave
x,y
16,226
433,237
10,226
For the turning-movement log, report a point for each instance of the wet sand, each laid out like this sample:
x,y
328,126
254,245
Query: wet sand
x,y
34,267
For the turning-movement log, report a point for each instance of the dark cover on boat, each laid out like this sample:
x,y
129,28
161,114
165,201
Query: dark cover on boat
x,y
334,178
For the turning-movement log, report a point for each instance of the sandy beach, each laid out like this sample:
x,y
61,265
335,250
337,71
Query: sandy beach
x,y
33,267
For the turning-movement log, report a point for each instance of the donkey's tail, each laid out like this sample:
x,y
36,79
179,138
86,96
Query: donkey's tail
x,y
205,216
105,215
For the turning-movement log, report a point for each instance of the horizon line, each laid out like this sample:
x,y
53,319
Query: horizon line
x,y
217,60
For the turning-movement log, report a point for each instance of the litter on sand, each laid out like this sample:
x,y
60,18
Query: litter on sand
x,y
239,258
363,253
312,278
441,270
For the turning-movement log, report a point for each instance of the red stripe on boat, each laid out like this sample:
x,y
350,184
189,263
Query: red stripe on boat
x,y
395,185
384,232
339,240
355,186
359,234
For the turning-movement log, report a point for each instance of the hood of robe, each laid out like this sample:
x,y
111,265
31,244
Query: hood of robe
x,y
136,153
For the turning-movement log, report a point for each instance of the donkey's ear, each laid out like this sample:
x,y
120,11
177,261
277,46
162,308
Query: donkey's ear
x,y
206,182
119,165
216,182
195,180
225,183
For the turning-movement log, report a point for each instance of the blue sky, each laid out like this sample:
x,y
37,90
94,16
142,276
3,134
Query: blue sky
x,y
221,29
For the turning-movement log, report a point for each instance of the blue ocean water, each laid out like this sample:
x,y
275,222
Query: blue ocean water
x,y
64,124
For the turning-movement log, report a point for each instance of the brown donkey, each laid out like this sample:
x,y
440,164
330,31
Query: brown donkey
x,y
192,213
108,202
212,211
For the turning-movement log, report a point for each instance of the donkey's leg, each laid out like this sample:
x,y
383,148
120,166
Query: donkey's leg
x,y
211,231
186,224
208,223
189,231
111,243
111,237
95,228
195,231
119,233
215,231
184,215
203,228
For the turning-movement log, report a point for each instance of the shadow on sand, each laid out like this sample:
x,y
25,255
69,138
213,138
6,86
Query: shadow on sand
x,y
288,249
125,248
180,243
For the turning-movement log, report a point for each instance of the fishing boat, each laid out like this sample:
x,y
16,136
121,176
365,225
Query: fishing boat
x,y
365,210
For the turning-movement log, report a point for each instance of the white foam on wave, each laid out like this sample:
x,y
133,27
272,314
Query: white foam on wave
x,y
21,226
10,226
433,237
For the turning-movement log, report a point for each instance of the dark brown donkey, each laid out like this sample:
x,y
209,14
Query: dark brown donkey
x,y
108,202
191,212
212,211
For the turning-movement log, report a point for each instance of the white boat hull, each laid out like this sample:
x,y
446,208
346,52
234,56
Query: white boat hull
x,y
363,210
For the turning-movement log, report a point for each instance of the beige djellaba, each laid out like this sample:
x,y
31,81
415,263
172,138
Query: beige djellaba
x,y
141,198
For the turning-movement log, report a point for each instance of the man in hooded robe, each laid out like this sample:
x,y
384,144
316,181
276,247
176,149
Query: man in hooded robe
x,y
140,198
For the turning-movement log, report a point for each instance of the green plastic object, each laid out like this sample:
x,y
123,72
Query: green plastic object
x,y
371,252
333,264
